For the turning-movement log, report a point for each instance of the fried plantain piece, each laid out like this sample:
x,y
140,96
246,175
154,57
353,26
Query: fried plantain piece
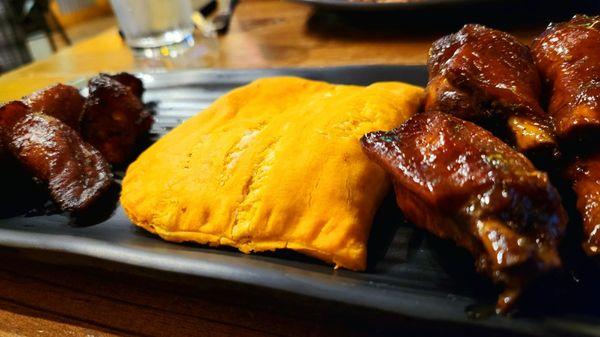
x,y
488,76
76,174
60,101
10,113
114,119
132,82
458,181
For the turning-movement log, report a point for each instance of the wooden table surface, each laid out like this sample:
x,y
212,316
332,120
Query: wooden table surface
x,y
56,295
263,34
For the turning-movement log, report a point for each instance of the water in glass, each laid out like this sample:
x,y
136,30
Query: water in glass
x,y
154,23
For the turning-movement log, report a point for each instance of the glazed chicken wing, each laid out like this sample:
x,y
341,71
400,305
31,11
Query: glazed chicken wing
x,y
459,182
114,118
568,56
488,76
585,174
60,101
76,174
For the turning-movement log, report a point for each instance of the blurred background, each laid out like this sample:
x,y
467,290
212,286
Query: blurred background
x,y
35,29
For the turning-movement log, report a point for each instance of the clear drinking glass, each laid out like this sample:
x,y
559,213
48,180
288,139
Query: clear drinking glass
x,y
154,23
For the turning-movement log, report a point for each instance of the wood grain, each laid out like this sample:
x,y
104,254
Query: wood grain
x,y
39,296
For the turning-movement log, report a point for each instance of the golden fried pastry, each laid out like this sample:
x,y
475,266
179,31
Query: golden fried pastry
x,y
275,164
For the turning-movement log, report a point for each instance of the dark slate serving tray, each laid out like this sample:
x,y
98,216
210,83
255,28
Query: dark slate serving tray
x,y
410,273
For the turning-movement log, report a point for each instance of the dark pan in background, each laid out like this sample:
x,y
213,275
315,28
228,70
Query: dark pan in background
x,y
427,20
466,7
386,5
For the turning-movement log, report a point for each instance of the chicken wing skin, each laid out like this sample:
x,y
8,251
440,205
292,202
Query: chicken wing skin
x,y
60,101
76,174
585,174
458,181
568,57
488,76
114,119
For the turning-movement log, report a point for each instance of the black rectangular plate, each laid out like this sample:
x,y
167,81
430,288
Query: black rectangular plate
x,y
410,273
